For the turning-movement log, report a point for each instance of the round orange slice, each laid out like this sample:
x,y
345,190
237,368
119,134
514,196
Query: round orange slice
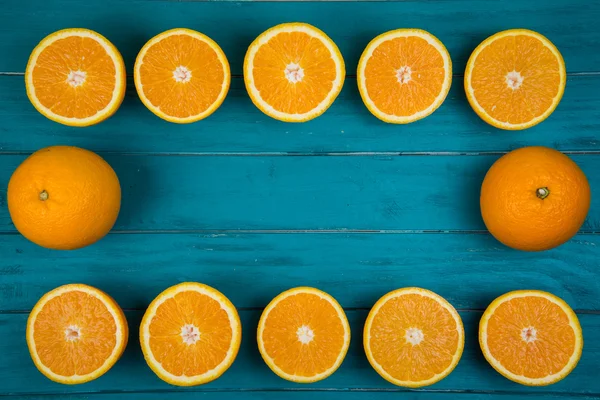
x,y
190,334
531,337
181,75
303,335
75,77
404,75
515,79
413,337
293,72
76,333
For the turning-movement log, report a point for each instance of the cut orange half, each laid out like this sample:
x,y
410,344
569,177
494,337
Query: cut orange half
x,y
515,79
75,77
181,75
404,75
190,334
303,335
413,337
531,337
293,72
76,333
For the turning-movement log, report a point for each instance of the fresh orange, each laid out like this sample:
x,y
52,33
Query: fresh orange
x,y
75,77
190,334
76,333
534,198
293,72
404,75
531,337
181,75
515,79
413,337
64,197
303,335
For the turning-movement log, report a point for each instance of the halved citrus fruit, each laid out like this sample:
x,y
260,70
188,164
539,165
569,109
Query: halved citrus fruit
x,y
76,333
75,77
293,72
190,334
531,337
515,79
404,75
303,335
182,75
413,337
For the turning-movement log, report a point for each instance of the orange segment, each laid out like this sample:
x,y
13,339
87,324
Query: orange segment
x,y
413,337
303,335
75,77
182,75
531,337
404,75
293,72
76,333
190,334
515,79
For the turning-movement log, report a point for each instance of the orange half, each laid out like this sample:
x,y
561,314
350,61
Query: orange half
x,y
303,335
75,77
531,337
413,337
182,75
76,333
515,79
190,334
404,75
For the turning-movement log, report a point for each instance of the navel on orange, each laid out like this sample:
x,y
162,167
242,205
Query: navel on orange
x,y
76,333
75,77
303,335
534,198
515,79
64,197
413,337
190,334
182,75
531,337
404,75
293,72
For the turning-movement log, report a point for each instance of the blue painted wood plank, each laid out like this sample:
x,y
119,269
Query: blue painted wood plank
x,y
460,24
373,193
131,373
347,126
469,270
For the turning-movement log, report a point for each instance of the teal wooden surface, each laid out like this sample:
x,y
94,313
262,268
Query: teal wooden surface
x,y
344,203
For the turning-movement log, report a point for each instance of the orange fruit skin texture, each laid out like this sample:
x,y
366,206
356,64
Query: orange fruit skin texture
x,y
83,198
98,334
516,216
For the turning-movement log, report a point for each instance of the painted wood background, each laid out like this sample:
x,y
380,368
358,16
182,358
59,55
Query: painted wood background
x,y
345,203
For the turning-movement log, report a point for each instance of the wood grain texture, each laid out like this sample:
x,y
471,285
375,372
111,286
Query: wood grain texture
x,y
239,127
249,371
369,193
460,24
469,270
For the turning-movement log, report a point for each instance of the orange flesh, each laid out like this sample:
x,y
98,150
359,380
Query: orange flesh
x,y
181,99
97,334
52,70
280,336
271,61
426,80
166,341
555,338
397,356
537,65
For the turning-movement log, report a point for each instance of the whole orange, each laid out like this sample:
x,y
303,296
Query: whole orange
x,y
64,197
534,199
